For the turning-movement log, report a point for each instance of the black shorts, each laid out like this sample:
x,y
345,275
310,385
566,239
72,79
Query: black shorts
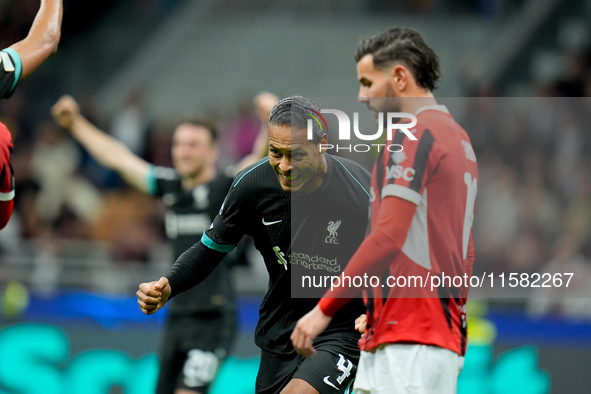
x,y
331,368
192,350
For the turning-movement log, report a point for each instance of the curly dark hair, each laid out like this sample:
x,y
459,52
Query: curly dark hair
x,y
295,111
403,45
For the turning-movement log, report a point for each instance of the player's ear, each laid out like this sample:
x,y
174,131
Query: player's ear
x,y
400,77
323,143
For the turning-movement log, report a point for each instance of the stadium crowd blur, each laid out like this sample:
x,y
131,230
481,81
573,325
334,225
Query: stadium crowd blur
x,y
533,211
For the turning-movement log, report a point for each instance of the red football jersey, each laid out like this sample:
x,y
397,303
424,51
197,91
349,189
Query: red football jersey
x,y
6,176
438,173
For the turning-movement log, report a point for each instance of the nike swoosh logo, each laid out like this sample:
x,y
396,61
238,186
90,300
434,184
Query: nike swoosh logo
x,y
329,382
270,223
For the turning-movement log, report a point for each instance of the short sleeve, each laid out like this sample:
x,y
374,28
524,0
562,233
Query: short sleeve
x,y
162,180
10,71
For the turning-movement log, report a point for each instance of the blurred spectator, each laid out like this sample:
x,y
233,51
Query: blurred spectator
x,y
64,196
27,188
238,134
497,224
130,223
15,115
566,157
540,208
130,123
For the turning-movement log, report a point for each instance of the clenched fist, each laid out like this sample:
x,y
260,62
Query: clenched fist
x,y
152,296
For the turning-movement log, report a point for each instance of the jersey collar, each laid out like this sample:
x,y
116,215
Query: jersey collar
x,y
441,108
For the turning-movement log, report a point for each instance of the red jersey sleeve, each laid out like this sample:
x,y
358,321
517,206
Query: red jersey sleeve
x,y
6,176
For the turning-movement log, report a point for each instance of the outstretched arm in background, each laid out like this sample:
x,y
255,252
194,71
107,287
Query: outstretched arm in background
x,y
105,149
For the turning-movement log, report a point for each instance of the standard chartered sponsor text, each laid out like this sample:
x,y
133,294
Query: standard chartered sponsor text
x,y
315,262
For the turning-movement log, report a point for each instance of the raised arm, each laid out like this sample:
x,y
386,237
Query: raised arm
x,y
43,37
102,147
263,103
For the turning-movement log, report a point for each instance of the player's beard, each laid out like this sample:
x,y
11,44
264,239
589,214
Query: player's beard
x,y
389,103
392,102
198,171
195,172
